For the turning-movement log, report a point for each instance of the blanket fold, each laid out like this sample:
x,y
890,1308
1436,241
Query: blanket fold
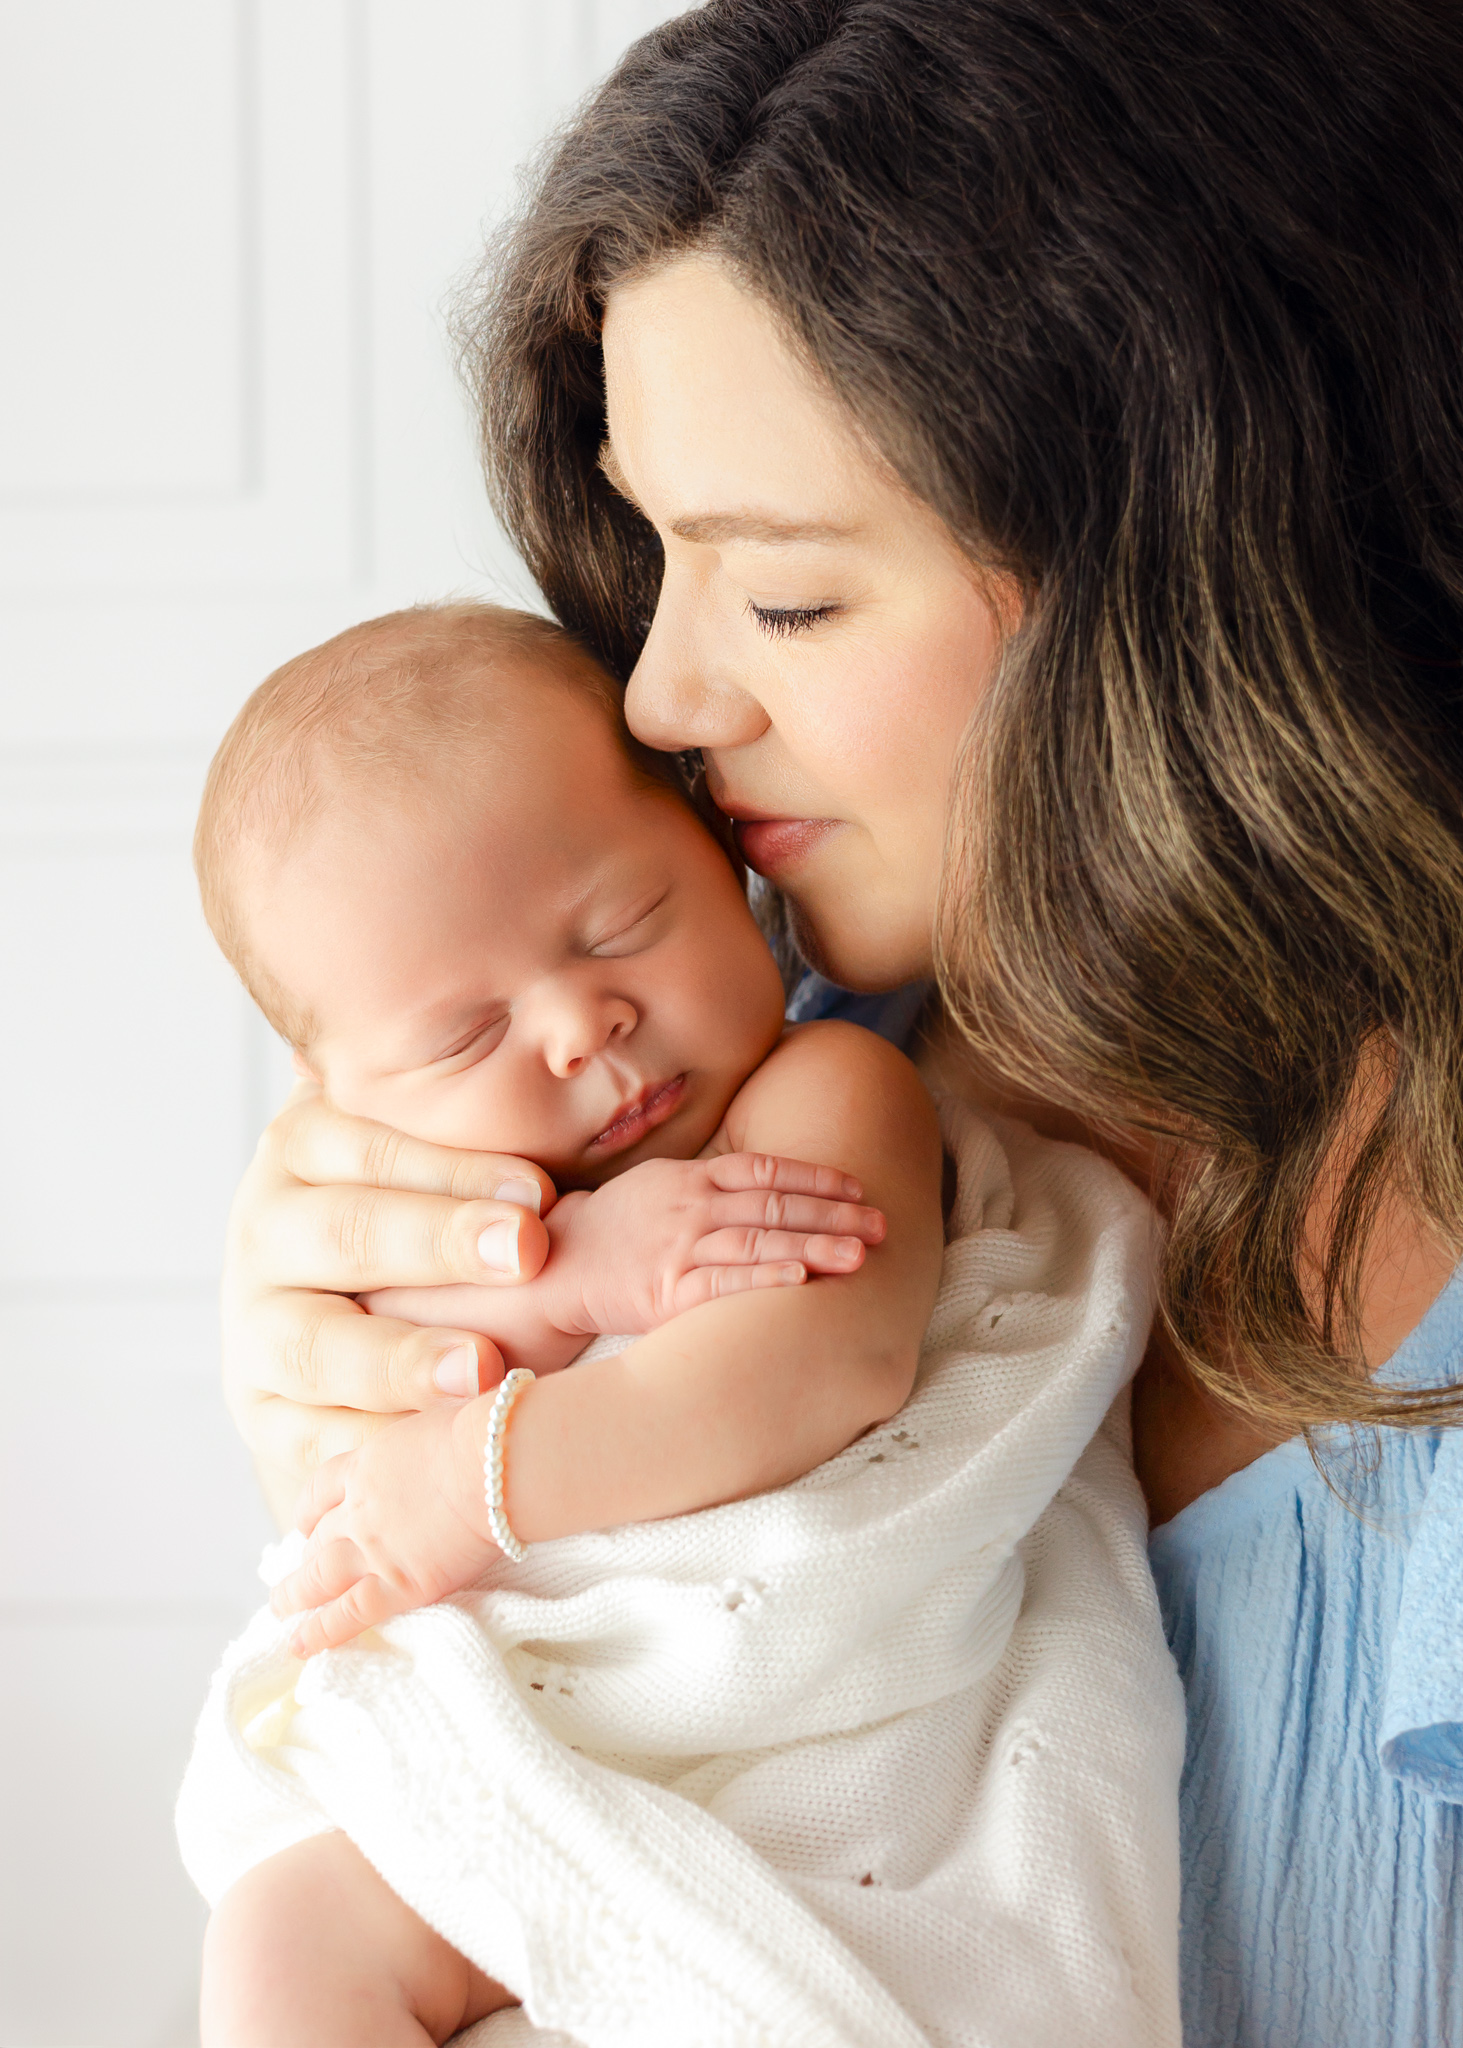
x,y
887,1757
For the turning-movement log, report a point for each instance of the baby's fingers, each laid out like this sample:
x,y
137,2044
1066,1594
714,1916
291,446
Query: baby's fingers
x,y
325,1573
322,1491
800,1214
739,1170
750,1245
367,1603
711,1283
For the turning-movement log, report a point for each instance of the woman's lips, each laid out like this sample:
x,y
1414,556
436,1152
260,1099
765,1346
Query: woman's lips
x,y
650,1107
774,845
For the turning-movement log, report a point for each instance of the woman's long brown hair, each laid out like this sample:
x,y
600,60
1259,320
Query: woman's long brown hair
x,y
1162,309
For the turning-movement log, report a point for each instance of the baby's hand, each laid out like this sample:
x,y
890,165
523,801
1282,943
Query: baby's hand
x,y
657,1240
672,1233
395,1525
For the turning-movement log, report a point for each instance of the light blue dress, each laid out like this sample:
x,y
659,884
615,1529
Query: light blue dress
x,y
1320,1642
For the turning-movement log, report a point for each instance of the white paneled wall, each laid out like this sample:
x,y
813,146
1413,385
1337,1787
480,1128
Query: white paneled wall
x,y
228,427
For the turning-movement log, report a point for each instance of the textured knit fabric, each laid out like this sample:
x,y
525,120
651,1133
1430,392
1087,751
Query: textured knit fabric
x,y
885,1757
1321,1648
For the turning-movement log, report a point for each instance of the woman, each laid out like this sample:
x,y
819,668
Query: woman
x,y
1020,446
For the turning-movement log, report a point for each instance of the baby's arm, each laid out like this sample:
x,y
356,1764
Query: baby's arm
x,y
729,1399
652,1243
746,1394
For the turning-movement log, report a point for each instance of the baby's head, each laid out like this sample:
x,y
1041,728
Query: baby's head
x,y
440,868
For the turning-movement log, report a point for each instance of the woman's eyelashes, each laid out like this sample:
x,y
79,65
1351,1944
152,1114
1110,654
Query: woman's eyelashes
x,y
778,621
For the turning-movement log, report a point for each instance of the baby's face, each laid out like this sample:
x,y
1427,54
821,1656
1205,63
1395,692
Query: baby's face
x,y
556,962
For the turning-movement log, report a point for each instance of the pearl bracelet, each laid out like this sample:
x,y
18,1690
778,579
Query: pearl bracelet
x,y
503,1400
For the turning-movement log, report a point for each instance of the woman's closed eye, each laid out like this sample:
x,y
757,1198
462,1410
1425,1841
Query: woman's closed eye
x,y
779,621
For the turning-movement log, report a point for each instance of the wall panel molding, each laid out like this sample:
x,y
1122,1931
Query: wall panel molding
x,y
290,512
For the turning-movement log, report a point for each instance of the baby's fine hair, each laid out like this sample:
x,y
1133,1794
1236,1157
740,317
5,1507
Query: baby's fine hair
x,y
395,703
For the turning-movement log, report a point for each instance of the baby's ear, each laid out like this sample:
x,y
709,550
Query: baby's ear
x,y
303,1070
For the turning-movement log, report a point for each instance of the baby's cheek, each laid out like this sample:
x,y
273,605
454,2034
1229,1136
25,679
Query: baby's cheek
x,y
476,1110
731,1011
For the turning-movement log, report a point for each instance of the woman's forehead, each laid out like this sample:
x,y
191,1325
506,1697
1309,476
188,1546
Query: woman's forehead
x,y
714,422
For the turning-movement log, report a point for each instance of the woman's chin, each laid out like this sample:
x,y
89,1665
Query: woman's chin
x,y
859,955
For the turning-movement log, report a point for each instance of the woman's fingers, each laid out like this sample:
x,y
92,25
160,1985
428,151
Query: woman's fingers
x,y
324,1350
352,1239
288,1441
749,1245
310,1141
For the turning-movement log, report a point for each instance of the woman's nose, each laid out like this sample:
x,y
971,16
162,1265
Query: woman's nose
x,y
680,694
578,1031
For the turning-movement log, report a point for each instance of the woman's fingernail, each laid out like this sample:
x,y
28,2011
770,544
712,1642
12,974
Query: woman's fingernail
x,y
848,1247
498,1247
457,1371
524,1194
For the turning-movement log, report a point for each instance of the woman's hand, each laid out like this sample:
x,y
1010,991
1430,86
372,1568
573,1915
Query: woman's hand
x,y
332,1206
395,1525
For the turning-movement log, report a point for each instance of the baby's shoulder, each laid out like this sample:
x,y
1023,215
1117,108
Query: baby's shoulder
x,y
826,1067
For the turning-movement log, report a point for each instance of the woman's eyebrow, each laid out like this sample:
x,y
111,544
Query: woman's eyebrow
x,y
707,529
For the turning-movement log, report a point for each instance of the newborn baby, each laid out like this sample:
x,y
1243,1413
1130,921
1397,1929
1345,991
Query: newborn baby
x,y
482,917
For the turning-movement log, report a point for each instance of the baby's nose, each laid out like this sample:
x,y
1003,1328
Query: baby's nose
x,y
586,1033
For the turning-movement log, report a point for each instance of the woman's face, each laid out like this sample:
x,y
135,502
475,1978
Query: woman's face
x,y
819,635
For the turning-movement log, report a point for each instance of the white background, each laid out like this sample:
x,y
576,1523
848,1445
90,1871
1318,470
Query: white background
x,y
228,427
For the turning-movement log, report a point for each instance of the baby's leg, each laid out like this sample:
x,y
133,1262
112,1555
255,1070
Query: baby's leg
x,y
312,1949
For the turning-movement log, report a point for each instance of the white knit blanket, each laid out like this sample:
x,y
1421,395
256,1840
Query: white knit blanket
x,y
887,1757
